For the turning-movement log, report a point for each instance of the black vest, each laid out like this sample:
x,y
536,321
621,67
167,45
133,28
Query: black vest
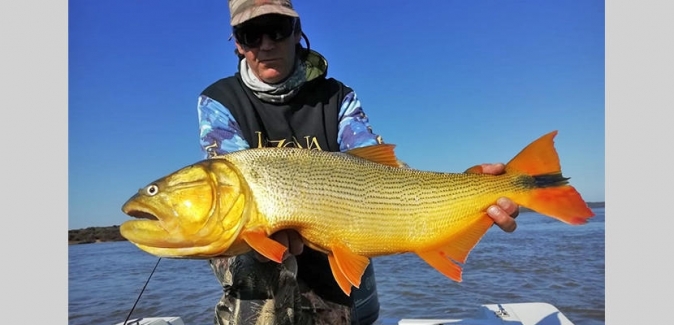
x,y
309,120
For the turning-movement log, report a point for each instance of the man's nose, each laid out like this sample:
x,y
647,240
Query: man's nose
x,y
267,43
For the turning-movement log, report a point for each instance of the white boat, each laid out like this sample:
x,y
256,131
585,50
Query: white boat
x,y
529,313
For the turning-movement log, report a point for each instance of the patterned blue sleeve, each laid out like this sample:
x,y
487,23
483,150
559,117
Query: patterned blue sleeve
x,y
354,127
219,133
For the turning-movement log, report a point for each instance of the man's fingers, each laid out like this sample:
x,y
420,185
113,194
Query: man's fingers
x,y
493,169
295,243
288,238
501,218
509,207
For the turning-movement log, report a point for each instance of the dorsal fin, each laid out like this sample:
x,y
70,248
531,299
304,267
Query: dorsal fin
x,y
379,153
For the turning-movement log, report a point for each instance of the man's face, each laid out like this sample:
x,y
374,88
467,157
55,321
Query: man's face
x,y
268,44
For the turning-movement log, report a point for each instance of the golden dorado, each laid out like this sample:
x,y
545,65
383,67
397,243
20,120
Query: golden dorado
x,y
350,206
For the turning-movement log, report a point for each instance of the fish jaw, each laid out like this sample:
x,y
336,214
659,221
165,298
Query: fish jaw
x,y
195,212
144,232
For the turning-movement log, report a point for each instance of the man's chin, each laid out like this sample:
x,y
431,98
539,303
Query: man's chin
x,y
271,76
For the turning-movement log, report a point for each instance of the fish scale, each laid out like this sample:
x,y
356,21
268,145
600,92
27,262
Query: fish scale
x,y
350,199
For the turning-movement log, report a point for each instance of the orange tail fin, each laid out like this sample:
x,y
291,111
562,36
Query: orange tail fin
x,y
550,193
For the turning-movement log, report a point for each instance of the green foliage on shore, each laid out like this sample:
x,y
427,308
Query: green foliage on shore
x,y
94,234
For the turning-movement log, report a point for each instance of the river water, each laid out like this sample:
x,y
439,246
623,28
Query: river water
x,y
544,260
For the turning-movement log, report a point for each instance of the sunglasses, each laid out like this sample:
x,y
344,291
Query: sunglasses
x,y
277,29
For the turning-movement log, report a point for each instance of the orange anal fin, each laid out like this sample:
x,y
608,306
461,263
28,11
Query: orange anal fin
x,y
563,203
379,153
342,281
440,261
267,247
352,265
460,244
463,241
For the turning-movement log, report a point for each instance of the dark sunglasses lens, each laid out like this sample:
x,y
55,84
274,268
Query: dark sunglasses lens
x,y
277,30
251,37
281,30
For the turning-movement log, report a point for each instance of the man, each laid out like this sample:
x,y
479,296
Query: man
x,y
281,96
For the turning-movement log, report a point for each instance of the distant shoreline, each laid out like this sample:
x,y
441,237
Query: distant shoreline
x,y
92,235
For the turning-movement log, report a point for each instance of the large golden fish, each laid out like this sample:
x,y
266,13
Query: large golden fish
x,y
350,206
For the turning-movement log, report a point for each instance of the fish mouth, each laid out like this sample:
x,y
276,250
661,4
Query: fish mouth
x,y
141,214
148,233
137,209
147,229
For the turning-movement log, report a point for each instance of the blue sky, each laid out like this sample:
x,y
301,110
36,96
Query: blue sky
x,y
451,83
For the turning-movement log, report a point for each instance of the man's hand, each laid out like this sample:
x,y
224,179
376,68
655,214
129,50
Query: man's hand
x,y
505,211
288,238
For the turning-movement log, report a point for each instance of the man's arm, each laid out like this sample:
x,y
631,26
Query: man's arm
x,y
219,133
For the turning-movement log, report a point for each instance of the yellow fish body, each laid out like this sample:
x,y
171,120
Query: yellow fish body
x,y
350,206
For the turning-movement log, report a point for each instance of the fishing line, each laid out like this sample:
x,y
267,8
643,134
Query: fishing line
x,y
141,292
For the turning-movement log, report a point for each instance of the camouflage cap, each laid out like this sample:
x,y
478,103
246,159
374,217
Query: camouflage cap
x,y
243,10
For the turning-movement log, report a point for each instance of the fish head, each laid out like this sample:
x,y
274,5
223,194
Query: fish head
x,y
195,212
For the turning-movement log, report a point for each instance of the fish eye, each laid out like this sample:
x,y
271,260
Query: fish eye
x,y
152,190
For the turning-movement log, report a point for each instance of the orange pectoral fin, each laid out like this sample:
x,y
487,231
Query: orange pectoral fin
x,y
267,247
